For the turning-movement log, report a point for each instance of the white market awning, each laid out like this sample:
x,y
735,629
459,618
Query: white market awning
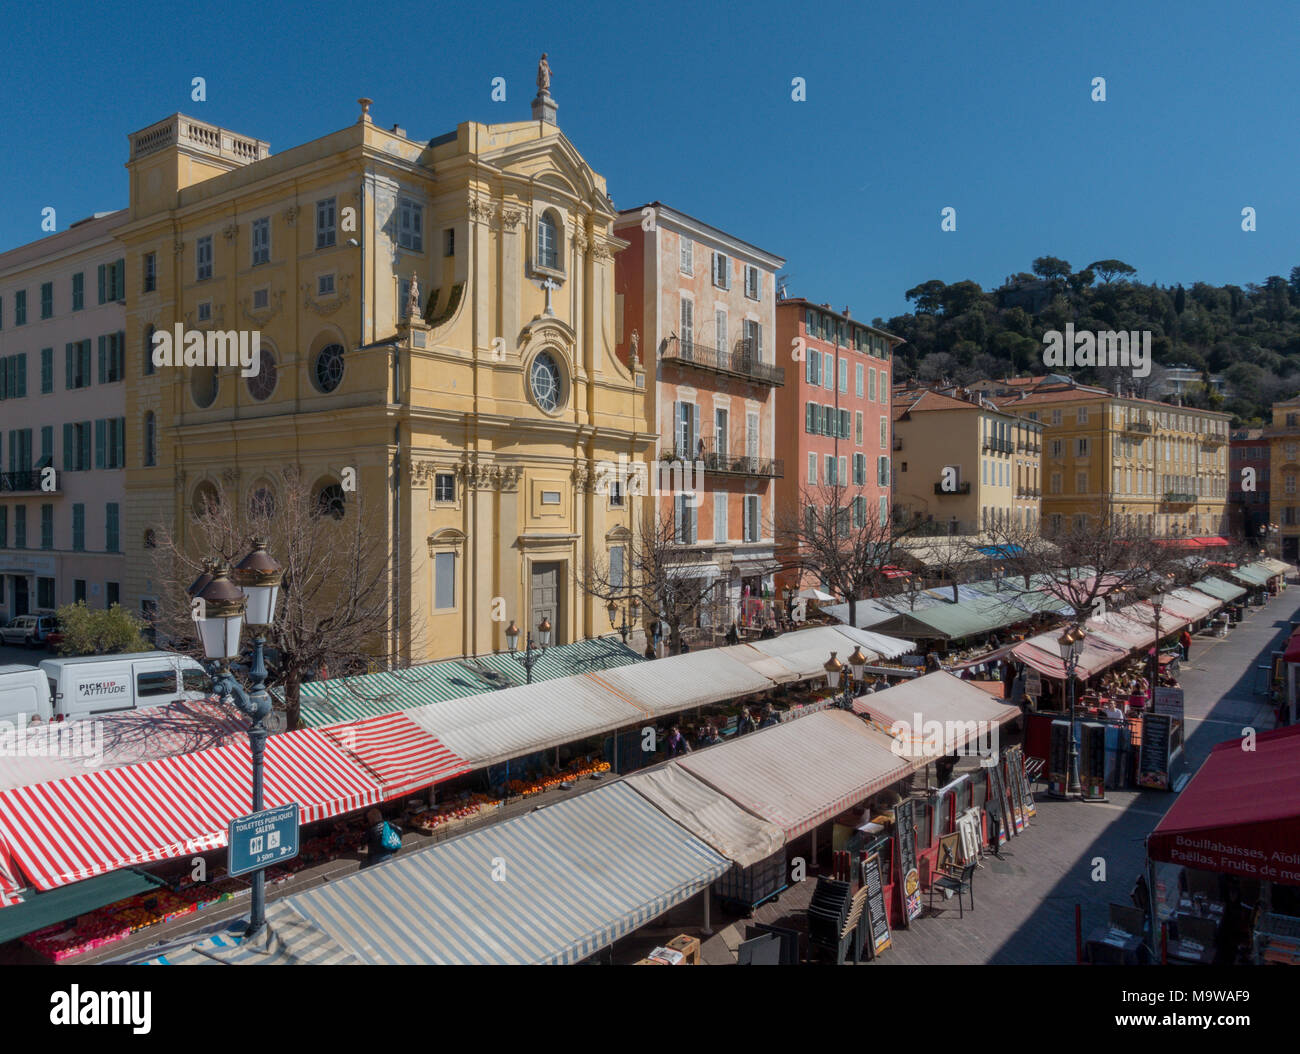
x,y
740,837
935,715
681,682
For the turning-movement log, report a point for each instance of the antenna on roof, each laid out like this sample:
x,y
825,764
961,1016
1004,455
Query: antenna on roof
x,y
781,280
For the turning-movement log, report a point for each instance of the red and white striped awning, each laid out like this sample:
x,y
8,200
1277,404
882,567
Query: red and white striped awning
x,y
9,886
400,754
74,828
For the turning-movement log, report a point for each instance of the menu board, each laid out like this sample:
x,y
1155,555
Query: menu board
x,y
1016,763
909,877
1153,761
1015,791
998,803
1168,701
880,936
1058,758
1033,683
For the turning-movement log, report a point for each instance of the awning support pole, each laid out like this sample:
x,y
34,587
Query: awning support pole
x,y
708,897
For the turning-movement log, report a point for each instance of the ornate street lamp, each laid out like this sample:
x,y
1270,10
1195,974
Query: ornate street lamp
x,y
531,654
1071,645
228,600
1157,601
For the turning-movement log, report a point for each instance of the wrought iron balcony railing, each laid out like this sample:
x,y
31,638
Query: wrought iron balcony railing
x,y
743,362
962,488
25,482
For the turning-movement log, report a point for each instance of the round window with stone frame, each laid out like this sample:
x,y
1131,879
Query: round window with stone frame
x,y
262,383
546,382
204,382
328,368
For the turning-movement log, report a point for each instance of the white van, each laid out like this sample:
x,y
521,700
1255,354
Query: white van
x,y
25,691
100,684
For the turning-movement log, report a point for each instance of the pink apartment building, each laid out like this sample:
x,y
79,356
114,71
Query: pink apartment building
x,y
698,308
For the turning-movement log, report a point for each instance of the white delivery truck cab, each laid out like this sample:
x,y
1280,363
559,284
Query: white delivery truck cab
x,y
25,691
100,684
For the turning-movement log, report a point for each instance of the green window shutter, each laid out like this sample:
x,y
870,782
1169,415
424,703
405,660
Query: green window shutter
x,y
67,359
103,288
121,442
119,270
101,442
83,365
68,441
119,358
103,359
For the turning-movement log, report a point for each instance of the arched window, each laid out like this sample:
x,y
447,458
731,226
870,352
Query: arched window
x,y
261,502
330,501
150,439
148,350
206,499
262,383
548,241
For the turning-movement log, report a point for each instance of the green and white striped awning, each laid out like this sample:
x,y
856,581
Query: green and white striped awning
x,y
563,660
370,695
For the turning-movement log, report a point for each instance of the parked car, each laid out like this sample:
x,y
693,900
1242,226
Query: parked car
x,y
94,684
55,637
31,630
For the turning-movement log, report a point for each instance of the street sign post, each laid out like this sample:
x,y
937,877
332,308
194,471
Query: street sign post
x,y
263,838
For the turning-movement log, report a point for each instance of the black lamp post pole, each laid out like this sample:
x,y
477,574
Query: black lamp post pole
x,y
1075,788
256,704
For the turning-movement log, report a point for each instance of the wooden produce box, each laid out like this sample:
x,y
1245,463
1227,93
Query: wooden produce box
x,y
689,947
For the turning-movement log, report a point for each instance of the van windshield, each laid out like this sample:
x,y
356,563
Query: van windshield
x,y
196,681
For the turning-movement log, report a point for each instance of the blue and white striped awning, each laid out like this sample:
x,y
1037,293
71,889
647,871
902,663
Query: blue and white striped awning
x,y
554,886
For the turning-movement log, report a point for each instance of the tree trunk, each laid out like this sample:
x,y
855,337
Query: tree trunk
x,y
853,610
291,713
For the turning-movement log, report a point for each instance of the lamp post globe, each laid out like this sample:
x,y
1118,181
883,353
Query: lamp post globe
x,y
612,610
858,663
220,618
834,668
512,636
259,576
544,632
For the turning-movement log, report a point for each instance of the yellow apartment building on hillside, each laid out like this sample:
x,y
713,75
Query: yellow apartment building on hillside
x,y
989,455
475,423
1159,468
1283,437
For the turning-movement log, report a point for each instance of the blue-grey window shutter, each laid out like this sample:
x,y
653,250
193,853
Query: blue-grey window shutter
x,y
67,447
103,359
121,442
103,288
67,353
101,442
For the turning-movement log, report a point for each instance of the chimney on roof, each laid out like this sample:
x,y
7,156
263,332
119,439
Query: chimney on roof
x,y
846,313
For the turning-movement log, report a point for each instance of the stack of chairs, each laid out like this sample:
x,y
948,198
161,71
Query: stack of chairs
x,y
834,918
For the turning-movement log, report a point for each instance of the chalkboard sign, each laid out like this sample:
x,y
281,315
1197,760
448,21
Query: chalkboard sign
x,y
1153,761
1058,759
880,936
909,877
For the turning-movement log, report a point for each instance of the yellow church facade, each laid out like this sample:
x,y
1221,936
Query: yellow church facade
x,y
437,342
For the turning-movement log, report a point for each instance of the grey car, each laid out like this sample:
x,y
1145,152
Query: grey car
x,y
28,629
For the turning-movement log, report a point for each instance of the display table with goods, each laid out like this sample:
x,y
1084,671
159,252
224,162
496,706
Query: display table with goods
x,y
1276,939
115,922
460,810
534,784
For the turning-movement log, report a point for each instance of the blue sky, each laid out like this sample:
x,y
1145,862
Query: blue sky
x,y
985,108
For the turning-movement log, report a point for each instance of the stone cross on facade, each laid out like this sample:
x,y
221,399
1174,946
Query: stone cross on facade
x,y
549,285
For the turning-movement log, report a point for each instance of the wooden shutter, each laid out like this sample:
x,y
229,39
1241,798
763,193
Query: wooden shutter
x,y
101,443
809,421
121,443
68,442
103,359
695,431
748,515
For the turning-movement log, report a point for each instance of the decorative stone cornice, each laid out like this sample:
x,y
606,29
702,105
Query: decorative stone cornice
x,y
580,241
491,476
480,209
601,251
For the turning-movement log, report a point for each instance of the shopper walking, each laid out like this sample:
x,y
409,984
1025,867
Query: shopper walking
x,y
1186,641
383,839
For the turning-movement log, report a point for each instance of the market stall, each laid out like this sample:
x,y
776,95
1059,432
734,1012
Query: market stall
x,y
1234,832
551,887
